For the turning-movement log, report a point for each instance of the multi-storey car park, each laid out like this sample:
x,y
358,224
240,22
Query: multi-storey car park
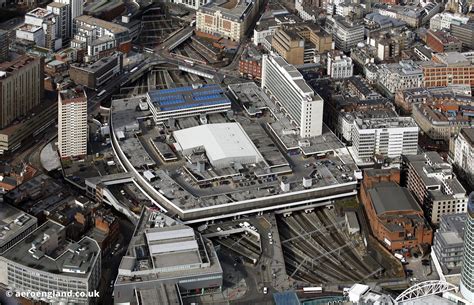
x,y
273,169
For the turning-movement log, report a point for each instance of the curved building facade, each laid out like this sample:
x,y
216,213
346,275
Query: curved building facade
x,y
467,274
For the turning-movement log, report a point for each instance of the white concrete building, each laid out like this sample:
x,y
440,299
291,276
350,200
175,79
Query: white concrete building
x,y
444,20
42,28
72,124
339,65
405,74
224,143
194,4
389,137
46,266
467,273
286,86
432,181
346,34
464,150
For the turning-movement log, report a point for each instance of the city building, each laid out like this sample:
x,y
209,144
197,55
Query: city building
x,y
224,144
467,273
339,65
375,22
15,225
96,74
4,45
181,102
269,22
454,94
441,41
299,44
194,4
452,68
76,9
346,34
72,124
395,217
310,10
464,150
443,121
465,33
388,137
99,38
50,262
433,183
62,14
228,19
42,28
286,85
414,15
405,74
167,260
250,64
22,132
21,83
387,44
445,21
448,242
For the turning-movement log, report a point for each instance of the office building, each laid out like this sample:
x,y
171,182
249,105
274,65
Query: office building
x,y
456,94
465,33
388,137
269,22
21,83
193,4
42,28
47,261
467,273
433,183
405,74
339,65
394,216
250,64
227,19
346,34
4,45
300,44
464,150
166,259
15,225
448,242
452,68
440,41
443,121
72,124
99,38
286,86
186,101
96,74
444,21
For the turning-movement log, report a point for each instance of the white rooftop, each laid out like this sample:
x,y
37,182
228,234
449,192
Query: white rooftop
x,y
224,143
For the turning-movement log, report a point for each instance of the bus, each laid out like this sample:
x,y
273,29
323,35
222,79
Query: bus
x,y
312,289
101,93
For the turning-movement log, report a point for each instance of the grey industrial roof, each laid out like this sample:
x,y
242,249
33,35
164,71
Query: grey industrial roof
x,y
389,196
15,220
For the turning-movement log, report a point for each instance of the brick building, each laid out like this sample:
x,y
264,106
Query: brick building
x,y
452,68
395,217
441,41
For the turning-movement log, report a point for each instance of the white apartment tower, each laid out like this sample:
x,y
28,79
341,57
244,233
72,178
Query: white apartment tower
x,y
72,124
464,150
286,86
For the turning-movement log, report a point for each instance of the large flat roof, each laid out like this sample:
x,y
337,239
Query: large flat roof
x,y
13,222
187,97
74,259
389,197
220,141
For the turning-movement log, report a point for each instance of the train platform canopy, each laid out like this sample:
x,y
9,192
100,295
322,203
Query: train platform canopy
x,y
286,298
224,143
